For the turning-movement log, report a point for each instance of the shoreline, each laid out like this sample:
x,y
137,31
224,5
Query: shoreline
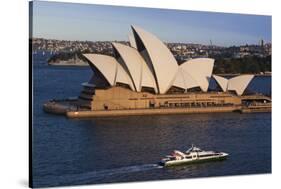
x,y
67,64
68,109
230,74
224,75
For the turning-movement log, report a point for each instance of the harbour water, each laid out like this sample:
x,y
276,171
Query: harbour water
x,y
122,149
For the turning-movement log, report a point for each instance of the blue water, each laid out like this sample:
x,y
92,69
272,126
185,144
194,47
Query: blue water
x,y
121,149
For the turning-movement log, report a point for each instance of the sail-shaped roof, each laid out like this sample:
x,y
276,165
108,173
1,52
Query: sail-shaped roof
x,y
123,77
222,82
164,66
112,71
132,41
107,65
147,78
184,80
137,67
239,83
201,70
149,63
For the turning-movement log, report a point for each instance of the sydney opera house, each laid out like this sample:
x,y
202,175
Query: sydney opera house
x,y
145,78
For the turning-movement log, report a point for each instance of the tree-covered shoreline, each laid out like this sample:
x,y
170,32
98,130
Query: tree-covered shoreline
x,y
245,65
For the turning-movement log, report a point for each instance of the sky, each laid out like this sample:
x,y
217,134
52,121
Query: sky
x,y
72,21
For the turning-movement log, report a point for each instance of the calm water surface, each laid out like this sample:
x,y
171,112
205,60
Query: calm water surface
x,y
121,149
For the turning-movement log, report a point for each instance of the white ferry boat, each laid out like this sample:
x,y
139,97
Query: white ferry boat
x,y
192,155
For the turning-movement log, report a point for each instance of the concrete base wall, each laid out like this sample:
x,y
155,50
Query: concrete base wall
x,y
118,98
118,101
160,111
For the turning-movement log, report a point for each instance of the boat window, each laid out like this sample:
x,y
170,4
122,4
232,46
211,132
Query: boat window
x,y
206,155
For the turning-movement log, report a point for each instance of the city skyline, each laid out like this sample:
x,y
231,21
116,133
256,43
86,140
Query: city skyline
x,y
71,21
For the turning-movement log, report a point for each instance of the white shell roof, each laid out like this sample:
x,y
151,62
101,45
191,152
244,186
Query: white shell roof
x,y
161,71
147,78
184,80
223,82
107,65
110,68
123,77
201,70
132,61
239,83
164,64
132,41
139,71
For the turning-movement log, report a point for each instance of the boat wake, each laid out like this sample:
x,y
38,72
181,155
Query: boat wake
x,y
92,176
124,170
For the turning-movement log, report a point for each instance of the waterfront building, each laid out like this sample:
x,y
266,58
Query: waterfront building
x,y
145,75
144,78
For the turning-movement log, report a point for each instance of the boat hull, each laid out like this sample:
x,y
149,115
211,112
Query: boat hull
x,y
194,161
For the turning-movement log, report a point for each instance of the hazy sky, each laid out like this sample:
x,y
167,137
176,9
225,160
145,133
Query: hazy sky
x,y
72,21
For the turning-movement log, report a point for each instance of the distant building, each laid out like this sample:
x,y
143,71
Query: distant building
x,y
262,43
